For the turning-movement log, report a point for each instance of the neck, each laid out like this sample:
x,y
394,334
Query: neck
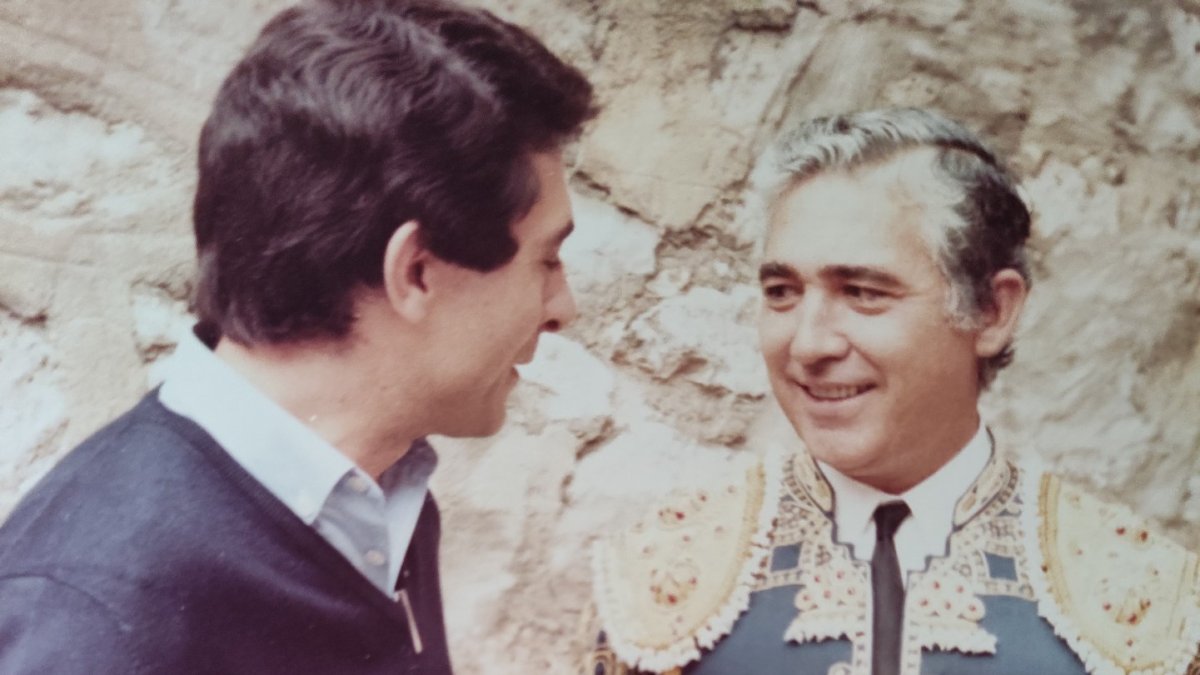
x,y
326,385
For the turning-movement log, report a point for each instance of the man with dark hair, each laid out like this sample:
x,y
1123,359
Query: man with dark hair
x,y
380,206
896,537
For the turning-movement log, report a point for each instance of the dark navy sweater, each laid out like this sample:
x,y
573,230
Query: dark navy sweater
x,y
148,549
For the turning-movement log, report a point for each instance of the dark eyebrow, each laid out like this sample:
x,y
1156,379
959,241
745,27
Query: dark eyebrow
x,y
859,273
776,270
843,273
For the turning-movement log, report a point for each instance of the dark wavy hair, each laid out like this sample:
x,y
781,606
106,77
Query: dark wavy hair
x,y
346,119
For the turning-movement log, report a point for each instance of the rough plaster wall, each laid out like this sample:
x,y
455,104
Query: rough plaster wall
x,y
659,381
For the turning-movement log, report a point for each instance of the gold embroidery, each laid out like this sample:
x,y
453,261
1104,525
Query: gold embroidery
x,y
833,598
943,607
1121,595
676,583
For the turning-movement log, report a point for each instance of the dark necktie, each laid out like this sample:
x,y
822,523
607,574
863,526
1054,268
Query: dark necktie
x,y
887,591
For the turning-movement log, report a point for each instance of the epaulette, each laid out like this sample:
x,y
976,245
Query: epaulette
x,y
1125,598
676,582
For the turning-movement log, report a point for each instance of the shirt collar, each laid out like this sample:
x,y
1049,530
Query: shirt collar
x,y
289,459
932,501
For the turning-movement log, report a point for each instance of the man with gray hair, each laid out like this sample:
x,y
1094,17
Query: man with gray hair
x,y
897,536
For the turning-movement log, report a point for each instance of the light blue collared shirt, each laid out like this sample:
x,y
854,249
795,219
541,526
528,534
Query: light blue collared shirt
x,y
370,523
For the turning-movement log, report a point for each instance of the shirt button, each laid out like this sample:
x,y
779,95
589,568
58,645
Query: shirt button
x,y
375,558
358,484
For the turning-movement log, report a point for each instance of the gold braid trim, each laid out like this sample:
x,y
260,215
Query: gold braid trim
x,y
675,583
1125,598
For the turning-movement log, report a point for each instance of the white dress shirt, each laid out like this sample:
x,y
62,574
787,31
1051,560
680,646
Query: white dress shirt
x,y
370,523
924,533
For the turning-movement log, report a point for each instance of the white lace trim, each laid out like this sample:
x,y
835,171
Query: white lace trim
x,y
958,639
827,630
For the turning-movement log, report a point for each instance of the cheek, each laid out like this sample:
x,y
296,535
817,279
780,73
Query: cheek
x,y
773,338
516,298
890,339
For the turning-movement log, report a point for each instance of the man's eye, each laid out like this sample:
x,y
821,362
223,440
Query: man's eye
x,y
779,292
864,294
552,264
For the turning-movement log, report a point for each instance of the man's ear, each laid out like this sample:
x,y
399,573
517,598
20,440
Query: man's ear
x,y
405,262
1000,320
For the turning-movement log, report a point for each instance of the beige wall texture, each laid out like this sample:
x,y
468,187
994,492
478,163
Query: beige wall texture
x,y
1094,101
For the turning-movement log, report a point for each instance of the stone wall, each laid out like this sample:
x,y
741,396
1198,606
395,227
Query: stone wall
x,y
1094,101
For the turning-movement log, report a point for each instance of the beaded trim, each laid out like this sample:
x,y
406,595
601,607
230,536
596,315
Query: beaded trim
x,y
943,606
1039,492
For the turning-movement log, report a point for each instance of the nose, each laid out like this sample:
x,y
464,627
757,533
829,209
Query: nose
x,y
818,336
560,304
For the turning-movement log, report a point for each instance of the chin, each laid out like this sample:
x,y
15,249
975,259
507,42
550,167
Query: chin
x,y
846,452
479,427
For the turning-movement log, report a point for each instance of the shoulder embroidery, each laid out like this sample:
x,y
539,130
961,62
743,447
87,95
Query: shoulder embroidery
x,y
676,582
833,599
945,606
1126,599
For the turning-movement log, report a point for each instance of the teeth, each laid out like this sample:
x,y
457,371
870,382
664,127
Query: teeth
x,y
835,393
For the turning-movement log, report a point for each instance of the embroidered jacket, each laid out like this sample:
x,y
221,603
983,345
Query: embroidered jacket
x,y
1038,577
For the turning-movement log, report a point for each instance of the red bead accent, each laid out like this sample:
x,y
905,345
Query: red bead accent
x,y
1120,530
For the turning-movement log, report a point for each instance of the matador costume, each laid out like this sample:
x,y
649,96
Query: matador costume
x,y
746,577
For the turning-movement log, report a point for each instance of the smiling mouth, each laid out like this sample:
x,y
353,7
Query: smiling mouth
x,y
835,392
